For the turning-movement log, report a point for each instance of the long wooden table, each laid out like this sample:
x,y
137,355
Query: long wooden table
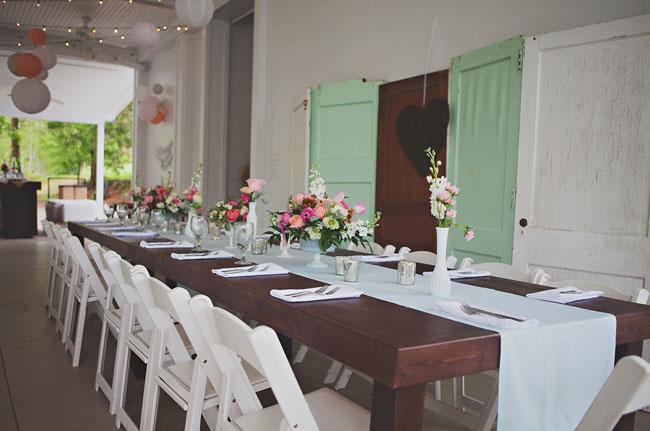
x,y
400,348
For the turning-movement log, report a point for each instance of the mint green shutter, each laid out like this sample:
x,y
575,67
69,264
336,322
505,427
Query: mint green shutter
x,y
343,138
485,93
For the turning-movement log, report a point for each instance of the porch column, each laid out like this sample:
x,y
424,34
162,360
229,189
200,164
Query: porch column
x,y
99,177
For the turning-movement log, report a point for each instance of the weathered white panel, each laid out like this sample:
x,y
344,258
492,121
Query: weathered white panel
x,y
593,148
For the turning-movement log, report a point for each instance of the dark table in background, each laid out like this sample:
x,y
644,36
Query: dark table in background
x,y
400,348
18,209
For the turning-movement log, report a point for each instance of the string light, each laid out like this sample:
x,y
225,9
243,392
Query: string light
x,y
122,37
115,30
178,28
69,29
94,30
44,28
101,2
67,43
101,40
18,24
38,4
19,43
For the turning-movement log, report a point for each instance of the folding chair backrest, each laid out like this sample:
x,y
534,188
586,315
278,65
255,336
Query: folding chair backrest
x,y
97,254
89,274
503,270
371,247
261,348
626,390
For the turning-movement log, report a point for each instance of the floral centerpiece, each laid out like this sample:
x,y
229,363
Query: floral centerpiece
x,y
442,199
249,195
225,213
320,222
191,200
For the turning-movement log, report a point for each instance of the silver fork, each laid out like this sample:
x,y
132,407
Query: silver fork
x,y
238,270
319,291
470,311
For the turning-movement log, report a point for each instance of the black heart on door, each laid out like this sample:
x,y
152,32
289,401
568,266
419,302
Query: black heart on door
x,y
419,128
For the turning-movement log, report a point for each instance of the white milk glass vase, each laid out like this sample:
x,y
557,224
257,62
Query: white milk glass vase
x,y
252,216
440,283
313,246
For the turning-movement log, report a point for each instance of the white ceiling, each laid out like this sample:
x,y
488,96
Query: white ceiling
x,y
83,91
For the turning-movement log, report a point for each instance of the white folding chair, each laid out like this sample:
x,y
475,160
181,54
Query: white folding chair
x,y
62,276
179,375
429,258
640,295
323,409
49,288
371,247
627,390
86,288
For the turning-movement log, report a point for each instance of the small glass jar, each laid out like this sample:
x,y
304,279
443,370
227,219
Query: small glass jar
x,y
259,246
340,267
351,270
406,273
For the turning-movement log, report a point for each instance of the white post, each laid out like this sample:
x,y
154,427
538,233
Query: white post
x,y
99,177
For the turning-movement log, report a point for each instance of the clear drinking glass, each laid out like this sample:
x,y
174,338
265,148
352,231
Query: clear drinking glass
x,y
109,210
141,216
121,212
244,233
157,219
199,227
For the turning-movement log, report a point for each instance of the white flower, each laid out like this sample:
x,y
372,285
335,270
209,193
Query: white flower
x,y
197,199
339,211
160,205
331,223
438,210
314,232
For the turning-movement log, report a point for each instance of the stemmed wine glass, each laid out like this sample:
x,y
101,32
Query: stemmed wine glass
x,y
157,219
199,227
244,232
109,210
121,213
141,216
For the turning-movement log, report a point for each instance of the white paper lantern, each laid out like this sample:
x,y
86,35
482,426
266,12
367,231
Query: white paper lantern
x,y
46,55
141,92
11,63
30,96
43,76
145,34
148,108
194,13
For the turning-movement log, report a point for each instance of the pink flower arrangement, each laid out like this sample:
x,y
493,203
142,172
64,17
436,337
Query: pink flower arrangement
x,y
252,191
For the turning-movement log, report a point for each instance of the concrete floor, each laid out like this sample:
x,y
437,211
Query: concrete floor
x,y
39,389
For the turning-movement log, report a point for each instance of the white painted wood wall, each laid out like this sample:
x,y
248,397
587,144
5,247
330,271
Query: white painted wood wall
x,y
584,155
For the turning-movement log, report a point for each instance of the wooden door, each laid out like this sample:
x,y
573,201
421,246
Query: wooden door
x,y
485,92
402,191
343,137
584,164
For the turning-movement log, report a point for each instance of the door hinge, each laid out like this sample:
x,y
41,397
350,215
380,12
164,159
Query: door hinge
x,y
514,198
520,60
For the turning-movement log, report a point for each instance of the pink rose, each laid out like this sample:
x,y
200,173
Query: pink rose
x,y
444,196
296,221
232,203
256,184
194,189
360,208
148,199
454,190
244,198
469,235
320,211
338,198
189,196
285,218
307,214
232,215
451,213
298,197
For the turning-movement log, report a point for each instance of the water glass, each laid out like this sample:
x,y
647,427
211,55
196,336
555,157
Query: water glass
x,y
199,227
339,268
121,212
406,273
157,219
244,233
259,246
351,270
109,210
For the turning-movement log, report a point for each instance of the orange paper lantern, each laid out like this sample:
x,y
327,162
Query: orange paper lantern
x,y
28,65
36,36
159,118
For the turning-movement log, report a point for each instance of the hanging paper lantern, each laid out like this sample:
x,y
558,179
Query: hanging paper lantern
x,y
28,65
195,13
46,55
148,108
141,92
159,118
30,96
43,75
11,63
36,36
145,34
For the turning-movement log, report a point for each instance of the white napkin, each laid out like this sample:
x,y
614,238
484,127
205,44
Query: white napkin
x,y
166,244
136,234
118,227
453,308
344,292
217,254
104,222
463,273
263,269
556,295
381,258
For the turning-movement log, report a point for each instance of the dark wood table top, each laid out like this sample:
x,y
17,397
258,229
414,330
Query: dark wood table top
x,y
396,345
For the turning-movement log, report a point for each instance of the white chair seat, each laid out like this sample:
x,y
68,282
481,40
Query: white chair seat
x,y
331,410
176,380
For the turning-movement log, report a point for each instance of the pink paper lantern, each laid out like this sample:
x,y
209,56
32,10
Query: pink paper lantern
x,y
30,96
148,108
145,34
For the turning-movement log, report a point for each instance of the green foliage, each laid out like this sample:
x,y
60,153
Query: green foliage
x,y
70,148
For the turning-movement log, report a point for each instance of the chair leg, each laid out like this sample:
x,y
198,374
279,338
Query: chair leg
x,y
101,354
59,314
55,283
67,318
489,412
333,372
81,324
195,401
343,379
48,287
151,388
300,354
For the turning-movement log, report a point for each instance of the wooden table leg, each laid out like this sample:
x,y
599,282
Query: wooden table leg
x,y
397,409
287,345
627,422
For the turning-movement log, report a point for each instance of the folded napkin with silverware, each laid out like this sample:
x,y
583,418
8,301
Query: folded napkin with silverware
x,y
104,222
379,258
216,254
323,293
117,228
166,244
484,315
252,271
135,234
463,273
564,295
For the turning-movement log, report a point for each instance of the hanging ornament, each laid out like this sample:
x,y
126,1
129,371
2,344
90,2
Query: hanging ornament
x,y
28,65
36,36
148,108
160,116
145,34
194,13
46,55
11,63
30,96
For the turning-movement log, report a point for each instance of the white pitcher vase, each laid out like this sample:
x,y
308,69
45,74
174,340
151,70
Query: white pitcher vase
x,y
440,283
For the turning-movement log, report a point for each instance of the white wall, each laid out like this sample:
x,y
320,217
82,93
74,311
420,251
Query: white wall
x,y
317,41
